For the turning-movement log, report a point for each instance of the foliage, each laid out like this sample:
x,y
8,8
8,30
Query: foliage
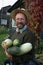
x,y
2,53
3,36
3,30
4,33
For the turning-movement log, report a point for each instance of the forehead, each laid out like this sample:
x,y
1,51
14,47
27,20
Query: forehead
x,y
20,14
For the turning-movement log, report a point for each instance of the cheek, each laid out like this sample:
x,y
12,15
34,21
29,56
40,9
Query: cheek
x,y
24,22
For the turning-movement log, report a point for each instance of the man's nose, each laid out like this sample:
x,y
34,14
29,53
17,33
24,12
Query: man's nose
x,y
19,20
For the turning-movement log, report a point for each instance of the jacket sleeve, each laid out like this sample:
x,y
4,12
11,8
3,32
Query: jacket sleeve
x,y
30,37
22,49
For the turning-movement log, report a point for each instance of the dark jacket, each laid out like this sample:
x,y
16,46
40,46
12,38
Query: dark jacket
x,y
24,37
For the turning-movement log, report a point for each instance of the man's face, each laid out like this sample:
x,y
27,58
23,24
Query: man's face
x,y
20,20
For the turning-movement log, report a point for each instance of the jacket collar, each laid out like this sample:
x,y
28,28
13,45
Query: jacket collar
x,y
21,30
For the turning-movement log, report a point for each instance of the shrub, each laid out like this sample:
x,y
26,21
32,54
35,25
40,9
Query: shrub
x,y
3,30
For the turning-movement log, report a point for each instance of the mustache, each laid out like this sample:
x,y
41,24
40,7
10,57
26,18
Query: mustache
x,y
19,23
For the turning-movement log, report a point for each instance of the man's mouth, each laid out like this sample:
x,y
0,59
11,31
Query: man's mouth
x,y
19,24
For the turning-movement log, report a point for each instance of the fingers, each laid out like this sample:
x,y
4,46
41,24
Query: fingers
x,y
3,45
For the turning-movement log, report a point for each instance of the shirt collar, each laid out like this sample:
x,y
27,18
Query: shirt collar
x,y
21,30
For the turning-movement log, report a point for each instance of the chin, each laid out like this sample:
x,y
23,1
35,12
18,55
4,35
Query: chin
x,y
20,27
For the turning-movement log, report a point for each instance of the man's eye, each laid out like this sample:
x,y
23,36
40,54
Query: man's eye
x,y
20,19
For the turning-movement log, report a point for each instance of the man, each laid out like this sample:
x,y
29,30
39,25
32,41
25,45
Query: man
x,y
25,36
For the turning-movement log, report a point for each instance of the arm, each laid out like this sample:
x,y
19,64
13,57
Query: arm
x,y
22,49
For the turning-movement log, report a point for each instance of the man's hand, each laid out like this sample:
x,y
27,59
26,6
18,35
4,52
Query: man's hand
x,y
3,45
8,55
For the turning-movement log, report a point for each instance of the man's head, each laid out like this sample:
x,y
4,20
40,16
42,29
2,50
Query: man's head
x,y
20,16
